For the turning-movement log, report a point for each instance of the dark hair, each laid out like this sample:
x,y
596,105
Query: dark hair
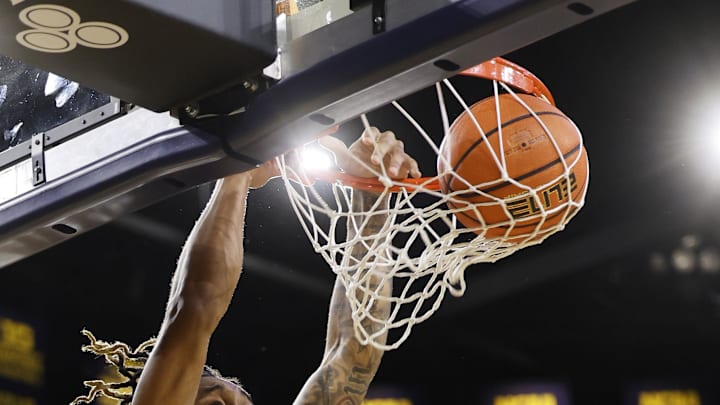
x,y
211,372
128,363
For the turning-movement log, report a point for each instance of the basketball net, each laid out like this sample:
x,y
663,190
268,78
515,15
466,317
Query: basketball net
x,y
421,249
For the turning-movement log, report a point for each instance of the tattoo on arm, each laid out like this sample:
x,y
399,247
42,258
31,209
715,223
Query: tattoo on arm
x,y
358,378
336,384
349,367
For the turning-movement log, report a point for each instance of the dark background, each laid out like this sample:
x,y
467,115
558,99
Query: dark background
x,y
599,306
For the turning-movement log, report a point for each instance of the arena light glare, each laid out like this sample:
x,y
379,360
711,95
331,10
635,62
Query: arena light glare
x,y
693,254
713,138
316,158
657,262
707,135
683,260
709,259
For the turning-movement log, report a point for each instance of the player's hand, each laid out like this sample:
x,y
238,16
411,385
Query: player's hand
x,y
271,169
263,173
377,150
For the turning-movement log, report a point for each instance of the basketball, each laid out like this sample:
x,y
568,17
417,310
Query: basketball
x,y
538,195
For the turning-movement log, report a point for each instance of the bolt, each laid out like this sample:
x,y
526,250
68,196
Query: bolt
x,y
378,20
191,111
250,85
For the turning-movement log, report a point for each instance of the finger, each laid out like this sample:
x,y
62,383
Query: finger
x,y
397,162
386,143
408,168
414,169
403,172
387,138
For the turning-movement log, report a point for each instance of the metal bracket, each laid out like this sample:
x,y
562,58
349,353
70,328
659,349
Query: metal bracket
x,y
378,16
114,109
37,157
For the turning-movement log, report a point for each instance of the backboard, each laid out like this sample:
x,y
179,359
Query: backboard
x,y
201,93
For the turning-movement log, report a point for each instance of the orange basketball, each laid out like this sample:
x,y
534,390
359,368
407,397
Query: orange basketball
x,y
498,206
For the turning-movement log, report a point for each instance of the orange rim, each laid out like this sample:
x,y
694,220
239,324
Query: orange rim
x,y
513,75
498,69
373,184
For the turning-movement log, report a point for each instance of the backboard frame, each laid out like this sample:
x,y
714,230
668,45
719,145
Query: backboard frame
x,y
314,94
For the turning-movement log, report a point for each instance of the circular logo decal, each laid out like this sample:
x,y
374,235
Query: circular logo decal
x,y
58,29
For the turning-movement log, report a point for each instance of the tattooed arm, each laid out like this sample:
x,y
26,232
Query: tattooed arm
x,y
348,367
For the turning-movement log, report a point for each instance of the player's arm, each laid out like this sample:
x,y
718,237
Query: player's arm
x,y
206,276
348,367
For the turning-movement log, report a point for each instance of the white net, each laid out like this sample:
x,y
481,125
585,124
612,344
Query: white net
x,y
409,244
